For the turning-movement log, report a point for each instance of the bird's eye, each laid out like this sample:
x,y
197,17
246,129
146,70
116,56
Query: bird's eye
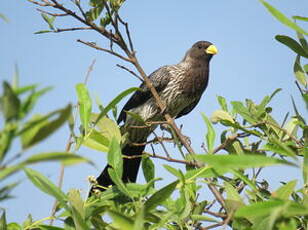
x,y
200,47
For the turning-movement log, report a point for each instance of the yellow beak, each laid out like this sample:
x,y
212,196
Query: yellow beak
x,y
211,50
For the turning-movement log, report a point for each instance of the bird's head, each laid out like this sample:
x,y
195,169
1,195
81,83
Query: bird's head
x,y
202,50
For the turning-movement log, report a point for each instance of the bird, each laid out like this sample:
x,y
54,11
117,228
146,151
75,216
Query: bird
x,y
179,86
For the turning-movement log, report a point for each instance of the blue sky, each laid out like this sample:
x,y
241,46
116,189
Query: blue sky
x,y
250,64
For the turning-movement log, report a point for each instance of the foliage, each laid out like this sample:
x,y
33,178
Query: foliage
x,y
252,140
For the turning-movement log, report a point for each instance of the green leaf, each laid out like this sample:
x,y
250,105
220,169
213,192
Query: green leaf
x,y
243,111
282,18
65,157
85,105
292,44
31,100
299,72
108,128
95,140
6,190
120,221
173,171
291,127
10,103
28,222
39,129
43,31
204,172
4,18
221,115
118,182
3,221
22,90
303,41
234,200
8,171
259,209
285,191
6,138
48,227
246,180
115,159
305,168
114,102
211,135
300,18
148,168
78,209
160,196
46,186
279,147
94,12
239,161
49,20
223,103
232,193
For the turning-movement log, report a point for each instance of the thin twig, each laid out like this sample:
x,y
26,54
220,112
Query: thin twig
x,y
40,4
154,141
77,3
93,45
228,141
60,179
90,69
162,145
127,32
216,214
59,30
130,71
51,14
217,195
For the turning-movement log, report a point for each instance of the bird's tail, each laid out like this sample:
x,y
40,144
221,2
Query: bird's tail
x,y
130,168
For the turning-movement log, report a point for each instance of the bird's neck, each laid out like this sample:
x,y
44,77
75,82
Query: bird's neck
x,y
194,63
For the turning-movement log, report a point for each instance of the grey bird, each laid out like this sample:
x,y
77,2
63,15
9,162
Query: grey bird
x,y
180,86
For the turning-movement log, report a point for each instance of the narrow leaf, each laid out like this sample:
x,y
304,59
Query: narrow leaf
x,y
115,159
292,44
285,191
211,135
114,102
259,209
3,225
4,18
299,72
305,168
95,140
85,105
160,196
239,161
221,115
64,157
10,103
282,18
120,221
78,209
300,18
223,103
49,20
45,185
148,168
39,129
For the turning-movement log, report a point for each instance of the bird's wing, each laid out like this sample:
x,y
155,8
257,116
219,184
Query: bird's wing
x,y
188,108
159,78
